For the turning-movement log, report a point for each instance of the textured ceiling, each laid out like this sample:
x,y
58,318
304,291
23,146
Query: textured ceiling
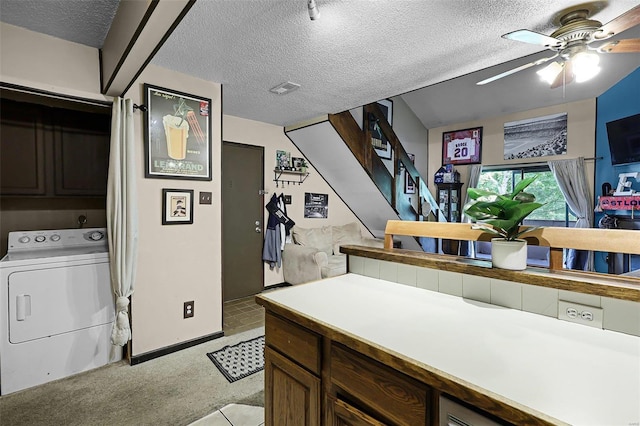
x,y
82,21
357,52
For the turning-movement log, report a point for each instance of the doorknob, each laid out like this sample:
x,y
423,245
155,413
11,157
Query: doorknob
x,y
257,223
258,230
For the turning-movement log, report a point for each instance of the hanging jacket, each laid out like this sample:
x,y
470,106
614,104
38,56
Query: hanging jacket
x,y
272,250
284,231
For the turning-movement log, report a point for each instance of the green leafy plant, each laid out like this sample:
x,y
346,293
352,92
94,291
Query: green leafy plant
x,y
502,214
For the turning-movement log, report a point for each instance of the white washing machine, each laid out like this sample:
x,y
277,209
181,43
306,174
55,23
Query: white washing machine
x,y
56,306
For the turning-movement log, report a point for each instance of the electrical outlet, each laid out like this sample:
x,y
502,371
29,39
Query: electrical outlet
x,y
581,314
188,309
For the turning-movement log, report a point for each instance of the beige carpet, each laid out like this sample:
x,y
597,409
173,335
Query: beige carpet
x,y
175,389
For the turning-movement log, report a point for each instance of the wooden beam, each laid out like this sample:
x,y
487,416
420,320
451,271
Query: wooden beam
x,y
607,240
137,32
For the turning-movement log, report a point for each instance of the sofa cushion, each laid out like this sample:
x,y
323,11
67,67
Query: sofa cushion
x,y
319,238
337,265
345,235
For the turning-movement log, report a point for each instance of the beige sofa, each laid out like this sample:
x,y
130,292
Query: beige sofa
x,y
315,252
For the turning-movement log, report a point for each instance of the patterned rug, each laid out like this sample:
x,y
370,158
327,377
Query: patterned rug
x,y
240,360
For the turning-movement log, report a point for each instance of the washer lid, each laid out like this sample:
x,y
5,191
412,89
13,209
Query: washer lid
x,y
58,254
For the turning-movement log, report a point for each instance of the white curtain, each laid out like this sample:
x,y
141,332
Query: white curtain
x,y
474,176
122,215
571,177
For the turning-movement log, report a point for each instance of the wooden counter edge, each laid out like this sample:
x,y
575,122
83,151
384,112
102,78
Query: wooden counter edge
x,y
616,287
442,382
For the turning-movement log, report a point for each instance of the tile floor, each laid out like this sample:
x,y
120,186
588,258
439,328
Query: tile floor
x,y
238,315
241,315
233,415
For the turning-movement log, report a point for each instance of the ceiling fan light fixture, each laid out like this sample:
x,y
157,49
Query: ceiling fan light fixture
x,y
549,73
314,12
585,66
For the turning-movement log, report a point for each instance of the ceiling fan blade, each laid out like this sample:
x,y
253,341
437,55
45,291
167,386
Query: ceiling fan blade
x,y
565,76
630,45
532,37
629,19
515,70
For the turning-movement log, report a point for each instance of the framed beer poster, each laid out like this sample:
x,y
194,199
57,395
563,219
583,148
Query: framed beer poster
x,y
177,135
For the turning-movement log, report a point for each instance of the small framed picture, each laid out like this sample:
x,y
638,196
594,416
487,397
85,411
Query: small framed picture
x,y
177,206
409,184
380,142
298,164
283,160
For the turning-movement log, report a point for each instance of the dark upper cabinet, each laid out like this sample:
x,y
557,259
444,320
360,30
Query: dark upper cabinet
x,y
81,153
52,151
22,149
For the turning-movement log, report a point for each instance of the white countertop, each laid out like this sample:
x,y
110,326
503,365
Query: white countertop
x,y
574,373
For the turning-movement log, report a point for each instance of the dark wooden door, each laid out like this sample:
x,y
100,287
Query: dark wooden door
x,y
242,216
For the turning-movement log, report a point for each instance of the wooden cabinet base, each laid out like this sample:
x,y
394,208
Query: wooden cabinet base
x,y
292,396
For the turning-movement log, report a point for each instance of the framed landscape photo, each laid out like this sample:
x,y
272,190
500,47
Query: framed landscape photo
x,y
462,146
536,137
177,135
177,206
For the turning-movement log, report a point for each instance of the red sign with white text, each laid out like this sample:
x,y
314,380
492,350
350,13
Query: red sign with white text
x,y
620,203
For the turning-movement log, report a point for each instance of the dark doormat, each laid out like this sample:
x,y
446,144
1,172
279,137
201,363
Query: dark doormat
x,y
240,360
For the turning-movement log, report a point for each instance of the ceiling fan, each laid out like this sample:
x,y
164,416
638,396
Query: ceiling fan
x,y
575,58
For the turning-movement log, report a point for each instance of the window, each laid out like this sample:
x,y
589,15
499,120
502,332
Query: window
x,y
555,212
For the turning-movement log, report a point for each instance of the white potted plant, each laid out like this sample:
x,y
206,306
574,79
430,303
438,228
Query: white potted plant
x,y
501,214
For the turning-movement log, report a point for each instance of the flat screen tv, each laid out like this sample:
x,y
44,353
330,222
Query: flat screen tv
x,y
624,140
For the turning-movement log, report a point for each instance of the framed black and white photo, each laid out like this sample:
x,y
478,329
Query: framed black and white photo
x,y
409,184
177,206
536,137
462,146
177,135
316,205
381,144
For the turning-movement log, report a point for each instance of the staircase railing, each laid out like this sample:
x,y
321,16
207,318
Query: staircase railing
x,y
391,185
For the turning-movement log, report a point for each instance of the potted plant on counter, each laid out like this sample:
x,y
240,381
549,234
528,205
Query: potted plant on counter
x,y
501,214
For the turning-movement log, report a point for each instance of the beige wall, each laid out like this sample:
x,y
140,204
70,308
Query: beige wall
x,y
581,119
272,138
48,63
175,263
413,136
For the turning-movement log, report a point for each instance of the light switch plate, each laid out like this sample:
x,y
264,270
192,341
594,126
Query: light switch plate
x,y
205,197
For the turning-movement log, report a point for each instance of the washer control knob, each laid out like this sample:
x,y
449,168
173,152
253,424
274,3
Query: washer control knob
x,y
55,237
40,238
96,236
24,239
